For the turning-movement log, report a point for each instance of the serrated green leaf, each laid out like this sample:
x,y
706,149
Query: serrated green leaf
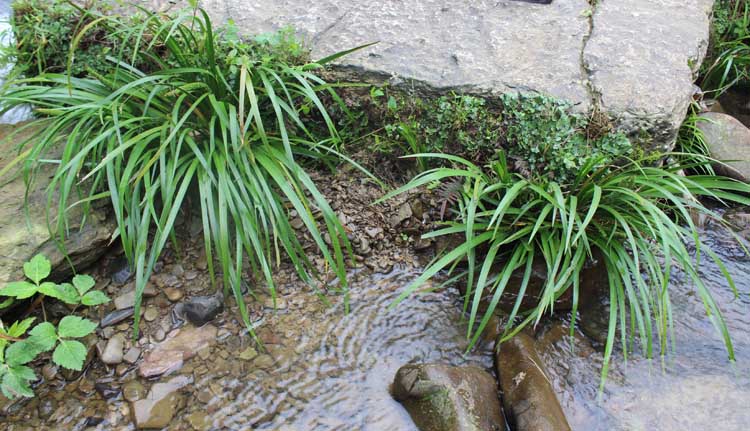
x,y
19,289
75,327
70,354
16,382
7,303
95,297
17,329
37,269
64,292
83,283
44,336
20,352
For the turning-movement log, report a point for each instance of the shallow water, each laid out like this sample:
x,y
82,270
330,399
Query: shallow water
x,y
694,388
343,364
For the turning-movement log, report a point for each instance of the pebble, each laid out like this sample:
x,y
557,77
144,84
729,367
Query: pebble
x,y
205,396
281,303
199,421
132,355
200,310
161,403
112,354
151,314
133,391
49,372
125,300
297,223
159,335
173,294
116,317
248,354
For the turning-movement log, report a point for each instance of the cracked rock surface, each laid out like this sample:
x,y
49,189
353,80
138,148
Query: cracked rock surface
x,y
635,59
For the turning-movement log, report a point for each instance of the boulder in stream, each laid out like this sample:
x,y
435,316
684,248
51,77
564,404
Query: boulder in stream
x,y
529,399
447,398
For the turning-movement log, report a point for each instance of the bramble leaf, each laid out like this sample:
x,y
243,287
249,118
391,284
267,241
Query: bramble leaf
x,y
20,352
83,283
17,329
75,327
38,268
44,336
16,382
19,289
64,292
7,303
95,297
70,354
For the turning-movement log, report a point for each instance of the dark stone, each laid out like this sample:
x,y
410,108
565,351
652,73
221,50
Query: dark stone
x,y
120,270
200,310
446,398
528,397
116,317
107,391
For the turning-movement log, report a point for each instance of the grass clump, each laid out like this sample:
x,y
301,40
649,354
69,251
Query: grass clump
x,y
193,110
637,216
728,60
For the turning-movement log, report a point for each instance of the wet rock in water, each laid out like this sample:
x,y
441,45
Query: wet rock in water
x,y
529,399
727,139
133,391
161,403
113,351
200,310
446,398
170,355
106,390
22,237
116,317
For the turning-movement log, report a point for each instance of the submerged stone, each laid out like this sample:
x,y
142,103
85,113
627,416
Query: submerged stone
x,y
161,404
529,399
170,355
446,398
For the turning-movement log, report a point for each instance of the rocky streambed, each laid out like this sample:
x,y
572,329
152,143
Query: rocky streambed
x,y
324,369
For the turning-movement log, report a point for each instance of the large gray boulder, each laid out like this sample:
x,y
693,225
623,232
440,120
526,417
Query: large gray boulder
x,y
635,60
728,140
22,237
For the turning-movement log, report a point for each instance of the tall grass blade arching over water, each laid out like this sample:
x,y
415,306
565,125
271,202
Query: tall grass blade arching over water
x,y
190,112
637,217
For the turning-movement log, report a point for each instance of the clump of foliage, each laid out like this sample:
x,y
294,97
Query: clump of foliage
x,y
541,135
546,139
44,32
193,109
16,352
635,215
728,59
